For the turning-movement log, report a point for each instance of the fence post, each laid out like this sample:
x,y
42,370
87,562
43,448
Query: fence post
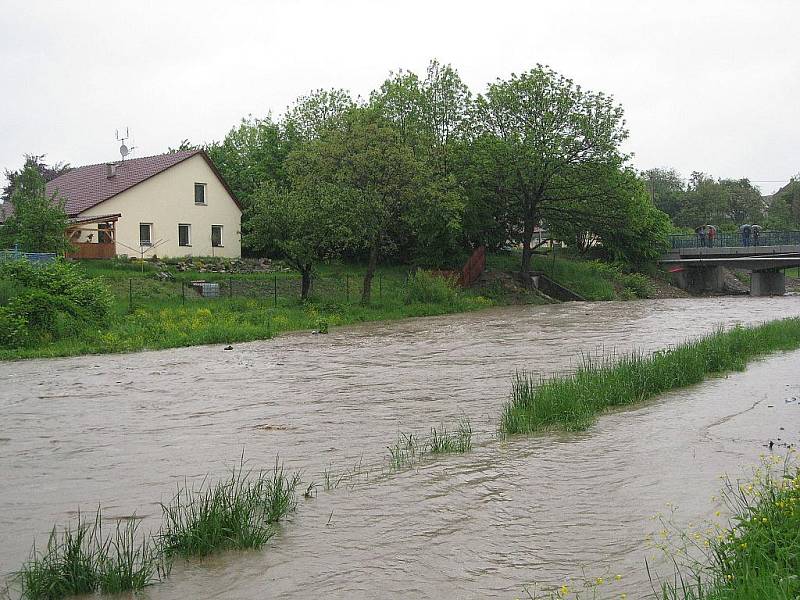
x,y
183,294
230,287
130,295
347,288
275,291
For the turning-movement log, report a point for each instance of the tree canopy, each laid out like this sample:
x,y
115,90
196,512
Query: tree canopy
x,y
37,222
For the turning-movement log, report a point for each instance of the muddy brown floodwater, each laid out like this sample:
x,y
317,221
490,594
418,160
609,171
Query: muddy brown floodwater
x,y
122,431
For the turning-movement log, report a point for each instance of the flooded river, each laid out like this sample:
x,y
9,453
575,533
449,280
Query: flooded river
x,y
123,430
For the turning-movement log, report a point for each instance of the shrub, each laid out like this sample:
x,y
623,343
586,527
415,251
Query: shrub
x,y
638,284
427,287
13,328
48,302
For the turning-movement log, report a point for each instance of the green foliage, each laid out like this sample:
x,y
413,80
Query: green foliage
x,y
546,145
758,556
571,402
427,287
235,513
81,560
37,222
49,302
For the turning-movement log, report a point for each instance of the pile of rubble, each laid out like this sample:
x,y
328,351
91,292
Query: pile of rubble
x,y
223,265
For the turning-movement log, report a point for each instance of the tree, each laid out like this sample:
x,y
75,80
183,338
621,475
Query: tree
x,y
314,114
251,154
48,172
428,116
375,175
784,206
544,139
36,223
667,190
723,202
302,225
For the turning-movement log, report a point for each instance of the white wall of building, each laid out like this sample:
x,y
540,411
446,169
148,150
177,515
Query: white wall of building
x,y
167,200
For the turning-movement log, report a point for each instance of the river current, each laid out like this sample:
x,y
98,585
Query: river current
x,y
122,431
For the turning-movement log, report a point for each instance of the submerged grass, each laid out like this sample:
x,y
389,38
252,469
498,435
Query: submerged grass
x,y
235,513
571,402
81,560
239,512
410,449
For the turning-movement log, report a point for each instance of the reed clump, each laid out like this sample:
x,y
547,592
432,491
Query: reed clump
x,y
239,512
410,449
80,559
572,402
236,513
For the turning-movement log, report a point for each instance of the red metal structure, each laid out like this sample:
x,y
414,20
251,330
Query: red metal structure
x,y
473,267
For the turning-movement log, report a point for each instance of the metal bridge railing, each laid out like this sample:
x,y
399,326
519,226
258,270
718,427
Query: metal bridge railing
x,y
737,240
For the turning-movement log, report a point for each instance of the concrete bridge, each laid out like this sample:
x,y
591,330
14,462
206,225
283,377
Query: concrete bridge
x,y
698,268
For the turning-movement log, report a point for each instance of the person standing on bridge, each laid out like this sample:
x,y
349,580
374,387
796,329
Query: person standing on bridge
x,y
711,233
701,235
755,230
745,231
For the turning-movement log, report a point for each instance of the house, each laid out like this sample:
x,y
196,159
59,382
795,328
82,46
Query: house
x,y
169,205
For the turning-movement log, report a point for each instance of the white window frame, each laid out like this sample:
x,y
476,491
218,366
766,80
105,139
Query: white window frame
x,y
205,193
149,242
188,243
221,231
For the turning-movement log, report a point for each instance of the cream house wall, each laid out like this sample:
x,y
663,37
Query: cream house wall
x,y
167,200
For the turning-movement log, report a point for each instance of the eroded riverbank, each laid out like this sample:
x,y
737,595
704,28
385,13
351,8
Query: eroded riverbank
x,y
123,429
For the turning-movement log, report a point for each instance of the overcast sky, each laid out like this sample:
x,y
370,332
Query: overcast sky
x,y
708,85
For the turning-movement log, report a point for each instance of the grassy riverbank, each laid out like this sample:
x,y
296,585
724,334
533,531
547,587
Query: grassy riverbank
x,y
148,312
757,556
153,305
572,402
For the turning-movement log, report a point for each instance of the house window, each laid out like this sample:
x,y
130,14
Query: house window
x,y
199,193
145,234
184,235
216,236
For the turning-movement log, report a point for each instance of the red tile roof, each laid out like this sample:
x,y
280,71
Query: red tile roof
x,y
85,187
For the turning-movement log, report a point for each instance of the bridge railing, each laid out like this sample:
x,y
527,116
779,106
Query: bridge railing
x,y
737,240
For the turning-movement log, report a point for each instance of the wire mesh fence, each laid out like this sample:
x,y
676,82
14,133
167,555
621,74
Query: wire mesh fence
x,y
276,291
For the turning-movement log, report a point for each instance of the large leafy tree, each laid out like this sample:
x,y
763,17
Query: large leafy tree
x,y
303,225
37,222
376,176
784,205
667,190
720,202
48,173
429,116
251,155
544,139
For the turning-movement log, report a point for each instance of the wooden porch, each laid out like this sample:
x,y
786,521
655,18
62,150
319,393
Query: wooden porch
x,y
93,237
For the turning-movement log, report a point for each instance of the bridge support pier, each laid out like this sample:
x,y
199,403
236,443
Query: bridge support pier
x,y
697,280
767,283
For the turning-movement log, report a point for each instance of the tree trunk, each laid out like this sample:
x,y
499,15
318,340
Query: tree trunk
x,y
371,265
305,284
527,251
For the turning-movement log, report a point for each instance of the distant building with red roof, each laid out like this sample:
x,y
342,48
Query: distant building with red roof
x,y
169,205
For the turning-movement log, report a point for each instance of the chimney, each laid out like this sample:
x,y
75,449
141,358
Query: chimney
x,y
111,170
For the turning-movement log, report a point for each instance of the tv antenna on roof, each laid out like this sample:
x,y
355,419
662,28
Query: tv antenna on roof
x,y
123,149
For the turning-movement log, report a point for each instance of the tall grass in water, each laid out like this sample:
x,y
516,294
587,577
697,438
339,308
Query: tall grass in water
x,y
236,513
571,402
81,560
758,557
442,441
410,449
